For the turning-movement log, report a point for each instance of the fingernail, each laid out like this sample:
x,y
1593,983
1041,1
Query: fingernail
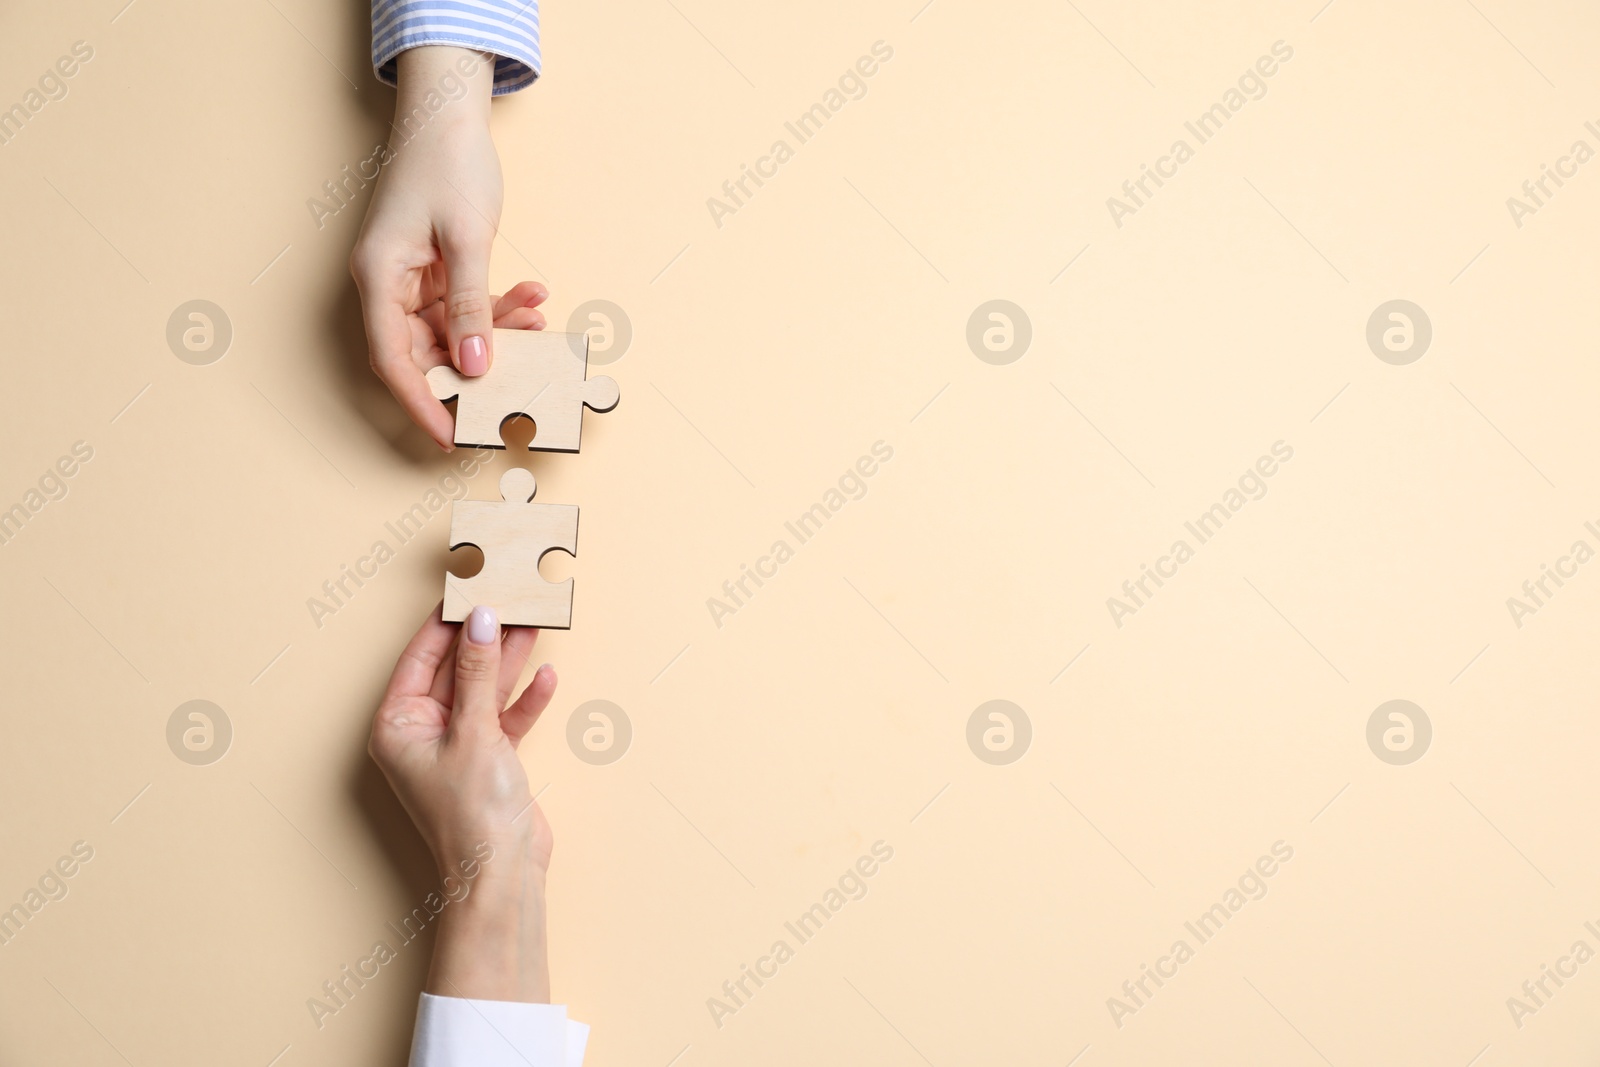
x,y
474,356
482,626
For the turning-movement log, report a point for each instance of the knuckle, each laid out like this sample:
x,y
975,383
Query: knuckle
x,y
467,304
464,231
383,364
476,667
377,749
360,261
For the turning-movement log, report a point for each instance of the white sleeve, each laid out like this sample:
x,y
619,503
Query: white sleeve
x,y
453,1032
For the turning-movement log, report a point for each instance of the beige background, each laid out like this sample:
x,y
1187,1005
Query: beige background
x,y
829,313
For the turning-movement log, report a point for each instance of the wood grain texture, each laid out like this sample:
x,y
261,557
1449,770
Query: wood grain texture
x,y
513,534
537,374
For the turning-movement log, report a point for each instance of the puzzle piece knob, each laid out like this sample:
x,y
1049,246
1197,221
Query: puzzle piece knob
x,y
517,485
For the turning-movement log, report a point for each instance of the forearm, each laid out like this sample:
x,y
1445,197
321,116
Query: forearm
x,y
491,944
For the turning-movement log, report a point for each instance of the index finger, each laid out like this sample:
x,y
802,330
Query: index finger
x,y
410,387
415,670
389,337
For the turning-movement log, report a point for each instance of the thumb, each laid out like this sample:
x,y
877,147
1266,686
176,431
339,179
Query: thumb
x,y
468,309
477,674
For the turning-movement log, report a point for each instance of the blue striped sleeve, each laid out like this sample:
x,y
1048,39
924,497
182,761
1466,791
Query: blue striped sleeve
x,y
509,29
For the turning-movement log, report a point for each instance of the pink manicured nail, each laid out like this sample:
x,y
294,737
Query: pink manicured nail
x,y
474,356
483,626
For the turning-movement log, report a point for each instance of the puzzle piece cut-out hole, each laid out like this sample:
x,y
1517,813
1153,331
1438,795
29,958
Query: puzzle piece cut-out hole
x,y
556,566
519,432
464,561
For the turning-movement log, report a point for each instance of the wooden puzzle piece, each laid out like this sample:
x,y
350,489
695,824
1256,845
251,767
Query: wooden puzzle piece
x,y
537,374
513,535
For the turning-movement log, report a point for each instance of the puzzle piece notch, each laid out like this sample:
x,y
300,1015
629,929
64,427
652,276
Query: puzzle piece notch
x,y
542,376
513,534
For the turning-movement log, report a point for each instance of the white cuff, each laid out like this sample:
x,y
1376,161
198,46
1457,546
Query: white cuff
x,y
454,1032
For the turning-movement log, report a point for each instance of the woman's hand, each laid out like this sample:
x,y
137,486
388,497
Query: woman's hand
x,y
421,263
446,741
